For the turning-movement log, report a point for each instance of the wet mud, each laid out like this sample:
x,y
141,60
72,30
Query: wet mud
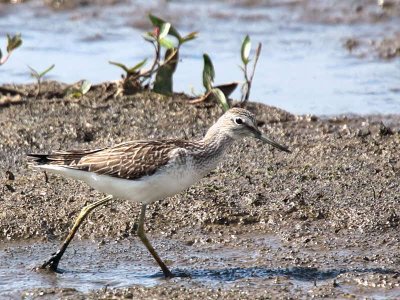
x,y
322,221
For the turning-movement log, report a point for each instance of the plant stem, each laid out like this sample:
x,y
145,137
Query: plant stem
x,y
256,60
250,80
245,97
154,69
39,88
5,58
156,62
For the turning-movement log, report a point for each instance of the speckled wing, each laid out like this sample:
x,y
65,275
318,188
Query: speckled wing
x,y
130,160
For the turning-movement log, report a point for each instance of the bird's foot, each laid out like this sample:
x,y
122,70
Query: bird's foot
x,y
177,273
168,274
52,263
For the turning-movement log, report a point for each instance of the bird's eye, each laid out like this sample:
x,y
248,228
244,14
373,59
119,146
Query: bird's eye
x,y
238,121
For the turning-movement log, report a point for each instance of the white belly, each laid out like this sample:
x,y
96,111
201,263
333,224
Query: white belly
x,y
145,190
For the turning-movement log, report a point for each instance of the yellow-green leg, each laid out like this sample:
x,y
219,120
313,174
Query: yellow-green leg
x,y
54,260
143,238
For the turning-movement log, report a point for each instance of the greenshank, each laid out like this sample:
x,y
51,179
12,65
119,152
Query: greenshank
x,y
147,171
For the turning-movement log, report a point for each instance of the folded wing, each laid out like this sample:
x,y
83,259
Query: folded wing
x,y
130,160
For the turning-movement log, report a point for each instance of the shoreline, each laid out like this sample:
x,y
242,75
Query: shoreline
x,y
331,204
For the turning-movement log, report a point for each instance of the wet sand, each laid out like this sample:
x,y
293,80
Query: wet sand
x,y
320,222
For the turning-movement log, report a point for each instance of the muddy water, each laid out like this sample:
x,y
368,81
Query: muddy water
x,y
88,265
304,67
93,266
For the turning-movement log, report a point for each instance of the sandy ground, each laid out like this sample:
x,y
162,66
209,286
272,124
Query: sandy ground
x,y
320,222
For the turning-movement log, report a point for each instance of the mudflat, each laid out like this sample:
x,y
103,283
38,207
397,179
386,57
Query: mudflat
x,y
322,221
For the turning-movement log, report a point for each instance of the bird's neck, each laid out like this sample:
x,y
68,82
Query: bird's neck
x,y
211,151
217,139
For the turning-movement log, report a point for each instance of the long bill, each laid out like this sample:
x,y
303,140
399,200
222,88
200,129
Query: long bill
x,y
259,135
273,143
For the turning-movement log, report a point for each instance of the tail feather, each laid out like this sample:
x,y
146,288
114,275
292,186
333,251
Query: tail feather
x,y
40,159
63,158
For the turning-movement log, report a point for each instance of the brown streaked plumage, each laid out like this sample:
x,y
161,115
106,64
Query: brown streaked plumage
x,y
146,171
130,160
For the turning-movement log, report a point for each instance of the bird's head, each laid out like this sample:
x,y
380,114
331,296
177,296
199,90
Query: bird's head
x,y
239,123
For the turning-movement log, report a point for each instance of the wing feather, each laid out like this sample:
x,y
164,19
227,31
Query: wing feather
x,y
130,160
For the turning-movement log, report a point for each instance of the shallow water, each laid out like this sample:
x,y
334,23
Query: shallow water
x,y
304,67
90,266
86,265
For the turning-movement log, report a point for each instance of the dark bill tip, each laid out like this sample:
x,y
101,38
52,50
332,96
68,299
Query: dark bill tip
x,y
266,140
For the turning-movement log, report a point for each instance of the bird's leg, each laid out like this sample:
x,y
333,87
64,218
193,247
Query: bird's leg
x,y
143,238
52,263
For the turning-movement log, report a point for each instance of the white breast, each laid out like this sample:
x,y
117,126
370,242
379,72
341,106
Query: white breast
x,y
162,184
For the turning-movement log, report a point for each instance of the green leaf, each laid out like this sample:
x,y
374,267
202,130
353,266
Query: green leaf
x,y
129,70
13,42
208,72
173,56
163,83
137,66
122,66
75,94
189,37
34,73
245,51
219,95
85,87
158,22
164,29
46,71
149,37
258,51
166,43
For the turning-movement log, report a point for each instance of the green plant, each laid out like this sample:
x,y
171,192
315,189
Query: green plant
x,y
159,75
208,72
219,92
248,76
130,71
80,90
13,42
208,82
39,77
160,39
